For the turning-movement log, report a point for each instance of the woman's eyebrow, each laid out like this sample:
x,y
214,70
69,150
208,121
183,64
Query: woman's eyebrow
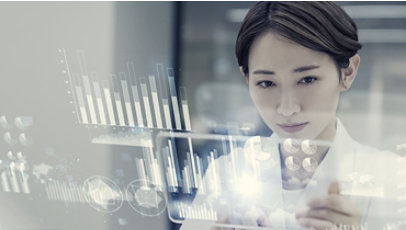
x,y
297,70
260,71
305,68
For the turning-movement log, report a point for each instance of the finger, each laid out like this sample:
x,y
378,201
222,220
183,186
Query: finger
x,y
334,188
337,203
315,223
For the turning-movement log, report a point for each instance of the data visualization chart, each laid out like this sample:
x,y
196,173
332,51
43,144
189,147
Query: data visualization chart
x,y
125,99
125,108
193,176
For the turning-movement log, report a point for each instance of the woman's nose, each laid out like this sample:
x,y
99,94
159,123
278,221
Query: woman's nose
x,y
288,105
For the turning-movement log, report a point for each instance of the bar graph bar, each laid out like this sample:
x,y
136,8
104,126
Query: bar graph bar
x,y
187,184
137,105
167,113
139,164
155,101
174,97
13,178
163,83
127,101
147,108
99,99
185,108
82,106
23,178
109,103
89,98
172,163
119,107
135,94
5,186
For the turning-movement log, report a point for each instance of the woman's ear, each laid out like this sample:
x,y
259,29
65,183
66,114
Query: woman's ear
x,y
245,75
348,74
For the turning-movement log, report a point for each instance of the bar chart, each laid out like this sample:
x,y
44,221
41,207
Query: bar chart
x,y
64,191
184,172
125,99
197,178
13,177
196,212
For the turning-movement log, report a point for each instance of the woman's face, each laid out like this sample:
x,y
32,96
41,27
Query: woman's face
x,y
295,89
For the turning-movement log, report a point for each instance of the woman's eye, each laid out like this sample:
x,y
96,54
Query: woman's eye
x,y
307,80
265,84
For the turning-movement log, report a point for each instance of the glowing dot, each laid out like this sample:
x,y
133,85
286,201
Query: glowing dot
x,y
292,163
59,50
62,61
310,164
290,145
73,112
63,71
66,82
71,102
19,155
308,147
69,92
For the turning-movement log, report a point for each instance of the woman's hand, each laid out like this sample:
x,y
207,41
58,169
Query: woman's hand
x,y
330,212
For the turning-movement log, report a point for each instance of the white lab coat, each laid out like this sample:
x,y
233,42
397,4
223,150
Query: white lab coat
x,y
366,175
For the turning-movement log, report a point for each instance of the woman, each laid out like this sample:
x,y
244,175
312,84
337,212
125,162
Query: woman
x,y
297,58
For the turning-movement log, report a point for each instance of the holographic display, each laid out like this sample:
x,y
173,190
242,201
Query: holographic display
x,y
132,106
208,174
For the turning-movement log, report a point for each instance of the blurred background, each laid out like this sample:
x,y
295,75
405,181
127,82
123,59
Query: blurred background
x,y
197,40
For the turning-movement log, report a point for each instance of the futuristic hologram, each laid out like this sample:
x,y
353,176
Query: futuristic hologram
x,y
103,194
146,198
132,107
238,172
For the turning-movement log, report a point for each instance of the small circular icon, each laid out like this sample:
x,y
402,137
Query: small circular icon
x,y
103,194
146,198
292,163
290,145
310,164
8,139
309,147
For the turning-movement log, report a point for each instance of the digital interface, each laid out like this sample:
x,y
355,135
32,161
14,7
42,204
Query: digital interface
x,y
143,115
122,110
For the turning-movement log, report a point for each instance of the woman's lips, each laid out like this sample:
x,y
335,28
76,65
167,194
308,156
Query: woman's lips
x,y
293,128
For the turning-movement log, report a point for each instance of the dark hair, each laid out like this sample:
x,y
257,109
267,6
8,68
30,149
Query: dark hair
x,y
320,26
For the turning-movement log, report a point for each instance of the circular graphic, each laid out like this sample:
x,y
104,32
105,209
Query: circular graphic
x,y
292,163
309,147
310,164
103,194
146,198
290,145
